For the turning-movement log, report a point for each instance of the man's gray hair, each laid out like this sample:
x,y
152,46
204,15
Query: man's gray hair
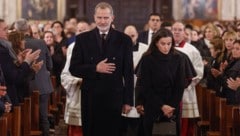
x,y
104,5
21,25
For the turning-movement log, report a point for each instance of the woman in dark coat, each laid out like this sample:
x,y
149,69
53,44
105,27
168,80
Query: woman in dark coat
x,y
232,71
214,65
162,80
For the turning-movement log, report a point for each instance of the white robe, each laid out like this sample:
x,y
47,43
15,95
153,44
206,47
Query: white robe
x,y
189,100
137,55
71,84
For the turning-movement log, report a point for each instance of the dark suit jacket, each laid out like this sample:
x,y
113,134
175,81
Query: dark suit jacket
x,y
13,75
143,37
103,94
42,80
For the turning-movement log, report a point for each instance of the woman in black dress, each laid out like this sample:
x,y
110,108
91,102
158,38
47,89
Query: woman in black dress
x,y
162,80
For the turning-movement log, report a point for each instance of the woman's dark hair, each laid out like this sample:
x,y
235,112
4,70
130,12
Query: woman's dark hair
x,y
15,37
162,33
44,33
62,26
218,44
236,41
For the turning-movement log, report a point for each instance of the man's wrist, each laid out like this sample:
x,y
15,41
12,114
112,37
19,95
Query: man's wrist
x,y
27,61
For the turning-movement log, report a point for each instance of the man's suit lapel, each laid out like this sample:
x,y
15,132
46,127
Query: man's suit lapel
x,y
110,38
146,37
110,35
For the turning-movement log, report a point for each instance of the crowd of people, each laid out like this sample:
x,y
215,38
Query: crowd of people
x,y
118,83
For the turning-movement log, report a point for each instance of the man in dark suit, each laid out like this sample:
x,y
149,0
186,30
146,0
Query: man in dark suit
x,y
13,74
42,80
106,66
154,23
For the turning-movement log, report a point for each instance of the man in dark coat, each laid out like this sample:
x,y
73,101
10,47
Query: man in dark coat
x,y
13,74
106,66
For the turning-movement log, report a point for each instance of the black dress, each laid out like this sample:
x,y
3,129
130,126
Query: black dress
x,y
162,80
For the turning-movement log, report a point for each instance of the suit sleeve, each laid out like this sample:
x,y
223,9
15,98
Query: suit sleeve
x,y
128,73
11,72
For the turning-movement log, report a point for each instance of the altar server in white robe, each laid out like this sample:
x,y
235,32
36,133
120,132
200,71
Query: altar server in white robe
x,y
189,101
71,84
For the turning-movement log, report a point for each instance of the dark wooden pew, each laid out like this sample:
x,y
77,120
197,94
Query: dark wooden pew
x,y
236,121
203,103
27,116
3,126
35,110
16,121
10,123
220,118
